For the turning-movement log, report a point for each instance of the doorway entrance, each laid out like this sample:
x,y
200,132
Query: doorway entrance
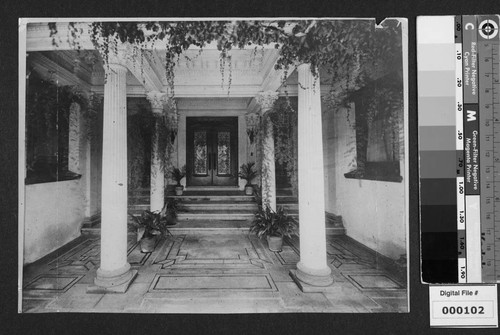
x,y
212,151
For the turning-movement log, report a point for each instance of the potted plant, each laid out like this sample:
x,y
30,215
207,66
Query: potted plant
x,y
248,173
273,225
177,175
170,211
154,225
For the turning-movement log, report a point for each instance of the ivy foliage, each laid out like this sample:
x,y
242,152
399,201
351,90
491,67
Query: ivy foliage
x,y
351,51
47,127
284,119
46,102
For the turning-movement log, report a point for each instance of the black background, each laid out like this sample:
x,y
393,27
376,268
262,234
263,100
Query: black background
x,y
415,322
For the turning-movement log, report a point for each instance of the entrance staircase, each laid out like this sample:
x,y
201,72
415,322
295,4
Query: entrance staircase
x,y
219,210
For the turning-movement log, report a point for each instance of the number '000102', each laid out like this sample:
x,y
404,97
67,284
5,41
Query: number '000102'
x,y
463,310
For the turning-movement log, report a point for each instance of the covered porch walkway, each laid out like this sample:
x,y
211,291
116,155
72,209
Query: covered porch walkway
x,y
202,272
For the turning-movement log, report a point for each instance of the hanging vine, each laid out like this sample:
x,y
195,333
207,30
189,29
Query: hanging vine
x,y
166,148
137,138
284,119
351,51
47,126
90,114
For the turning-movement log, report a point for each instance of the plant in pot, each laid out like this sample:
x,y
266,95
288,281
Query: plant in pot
x,y
170,211
177,174
273,225
154,225
248,173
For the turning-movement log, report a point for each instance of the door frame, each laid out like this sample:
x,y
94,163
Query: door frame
x,y
211,123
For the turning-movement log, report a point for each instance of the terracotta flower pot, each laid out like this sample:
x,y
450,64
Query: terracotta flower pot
x,y
179,190
275,243
148,244
249,190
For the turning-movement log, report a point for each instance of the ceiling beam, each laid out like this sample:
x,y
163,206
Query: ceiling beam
x,y
50,70
273,81
147,76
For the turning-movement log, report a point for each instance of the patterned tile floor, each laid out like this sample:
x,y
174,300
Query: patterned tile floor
x,y
212,273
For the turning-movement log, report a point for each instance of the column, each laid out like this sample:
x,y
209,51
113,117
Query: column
x,y
312,268
157,191
114,273
266,100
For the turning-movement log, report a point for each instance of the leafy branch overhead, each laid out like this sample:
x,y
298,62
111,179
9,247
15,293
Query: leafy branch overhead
x,y
351,51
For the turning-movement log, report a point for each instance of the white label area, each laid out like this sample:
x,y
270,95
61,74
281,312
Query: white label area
x,y
463,306
473,238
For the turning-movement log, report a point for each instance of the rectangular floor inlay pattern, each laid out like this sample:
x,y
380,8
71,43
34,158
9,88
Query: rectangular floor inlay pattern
x,y
212,282
374,281
212,273
55,282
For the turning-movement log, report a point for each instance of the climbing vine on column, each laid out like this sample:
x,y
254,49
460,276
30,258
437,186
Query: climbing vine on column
x,y
284,119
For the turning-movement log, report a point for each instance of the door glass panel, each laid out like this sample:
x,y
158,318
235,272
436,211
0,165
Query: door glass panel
x,y
223,152
200,152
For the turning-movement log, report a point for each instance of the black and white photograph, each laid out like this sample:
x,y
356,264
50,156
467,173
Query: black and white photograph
x,y
213,165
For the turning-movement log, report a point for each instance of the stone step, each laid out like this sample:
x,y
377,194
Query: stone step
x,y
286,199
211,224
205,205
289,206
141,199
214,209
284,192
216,215
215,226
234,198
212,189
141,207
219,205
144,196
335,231
139,191
209,192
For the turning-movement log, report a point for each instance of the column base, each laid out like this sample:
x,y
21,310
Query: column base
x,y
113,281
326,283
306,277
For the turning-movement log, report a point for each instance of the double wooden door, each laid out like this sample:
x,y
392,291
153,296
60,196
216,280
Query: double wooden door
x,y
212,151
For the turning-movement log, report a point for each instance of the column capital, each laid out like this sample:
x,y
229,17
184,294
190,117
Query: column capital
x,y
170,104
266,100
157,99
252,119
118,55
303,66
305,73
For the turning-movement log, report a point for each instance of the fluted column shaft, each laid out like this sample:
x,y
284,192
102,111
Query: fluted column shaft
x,y
157,192
114,269
266,101
312,268
268,164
